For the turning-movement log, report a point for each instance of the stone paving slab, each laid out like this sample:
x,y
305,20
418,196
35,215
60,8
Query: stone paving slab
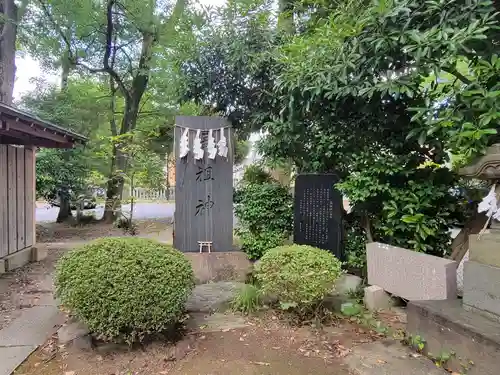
x,y
12,357
32,327
389,357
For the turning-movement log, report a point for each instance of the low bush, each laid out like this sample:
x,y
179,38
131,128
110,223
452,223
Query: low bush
x,y
298,276
125,289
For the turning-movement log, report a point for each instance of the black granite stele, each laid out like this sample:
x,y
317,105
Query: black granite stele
x,y
318,213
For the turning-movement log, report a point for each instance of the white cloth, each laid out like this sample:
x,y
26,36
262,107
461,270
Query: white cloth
x,y
222,144
184,144
197,149
211,149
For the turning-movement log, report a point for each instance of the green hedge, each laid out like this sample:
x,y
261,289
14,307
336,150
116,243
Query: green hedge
x,y
125,289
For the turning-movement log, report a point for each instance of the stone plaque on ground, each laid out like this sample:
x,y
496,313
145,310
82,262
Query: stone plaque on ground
x,y
204,185
318,213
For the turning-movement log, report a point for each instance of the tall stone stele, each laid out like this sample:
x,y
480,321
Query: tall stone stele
x,y
482,271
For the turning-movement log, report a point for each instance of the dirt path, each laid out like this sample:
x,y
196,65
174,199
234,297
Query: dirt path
x,y
255,351
263,346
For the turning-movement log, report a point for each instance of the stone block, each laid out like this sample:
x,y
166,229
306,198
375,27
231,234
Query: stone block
x,y
481,289
376,298
220,266
39,253
2,266
446,327
71,331
348,283
18,259
212,297
409,274
485,250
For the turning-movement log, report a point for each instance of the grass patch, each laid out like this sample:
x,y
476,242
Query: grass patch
x,y
247,300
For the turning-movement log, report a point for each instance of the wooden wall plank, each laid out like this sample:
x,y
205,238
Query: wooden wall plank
x,y
21,196
12,197
4,222
29,202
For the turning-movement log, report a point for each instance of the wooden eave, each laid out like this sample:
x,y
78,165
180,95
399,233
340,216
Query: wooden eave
x,y
21,128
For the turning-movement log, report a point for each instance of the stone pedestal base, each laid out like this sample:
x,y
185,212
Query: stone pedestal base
x,y
481,288
446,326
220,266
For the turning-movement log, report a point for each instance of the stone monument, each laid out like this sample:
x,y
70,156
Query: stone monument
x,y
203,184
318,213
203,219
470,328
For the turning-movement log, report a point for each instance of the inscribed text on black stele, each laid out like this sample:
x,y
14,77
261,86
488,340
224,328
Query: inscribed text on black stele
x,y
318,213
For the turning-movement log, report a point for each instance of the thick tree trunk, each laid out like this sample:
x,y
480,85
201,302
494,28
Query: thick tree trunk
x,y
65,70
114,188
8,50
64,208
119,165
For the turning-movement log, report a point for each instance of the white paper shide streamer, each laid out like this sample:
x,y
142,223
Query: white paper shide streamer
x,y
222,144
211,149
489,204
184,144
197,149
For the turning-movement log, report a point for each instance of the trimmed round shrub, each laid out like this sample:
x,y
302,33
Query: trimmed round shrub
x,y
125,289
297,275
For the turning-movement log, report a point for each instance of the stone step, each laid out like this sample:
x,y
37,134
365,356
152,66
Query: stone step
x,y
446,327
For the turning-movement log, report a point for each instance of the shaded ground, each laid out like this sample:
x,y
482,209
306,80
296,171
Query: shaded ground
x,y
159,229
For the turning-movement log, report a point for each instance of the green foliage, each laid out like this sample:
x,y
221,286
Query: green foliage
x,y
265,215
255,174
355,248
60,172
125,289
298,276
247,300
225,65
357,313
241,149
414,212
255,244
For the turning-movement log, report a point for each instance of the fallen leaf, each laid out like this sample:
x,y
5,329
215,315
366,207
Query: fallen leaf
x,y
262,363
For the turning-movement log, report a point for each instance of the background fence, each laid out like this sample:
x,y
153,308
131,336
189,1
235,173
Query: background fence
x,y
152,195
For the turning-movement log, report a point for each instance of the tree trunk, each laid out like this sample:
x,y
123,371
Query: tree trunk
x,y
285,18
8,50
64,208
114,186
65,70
